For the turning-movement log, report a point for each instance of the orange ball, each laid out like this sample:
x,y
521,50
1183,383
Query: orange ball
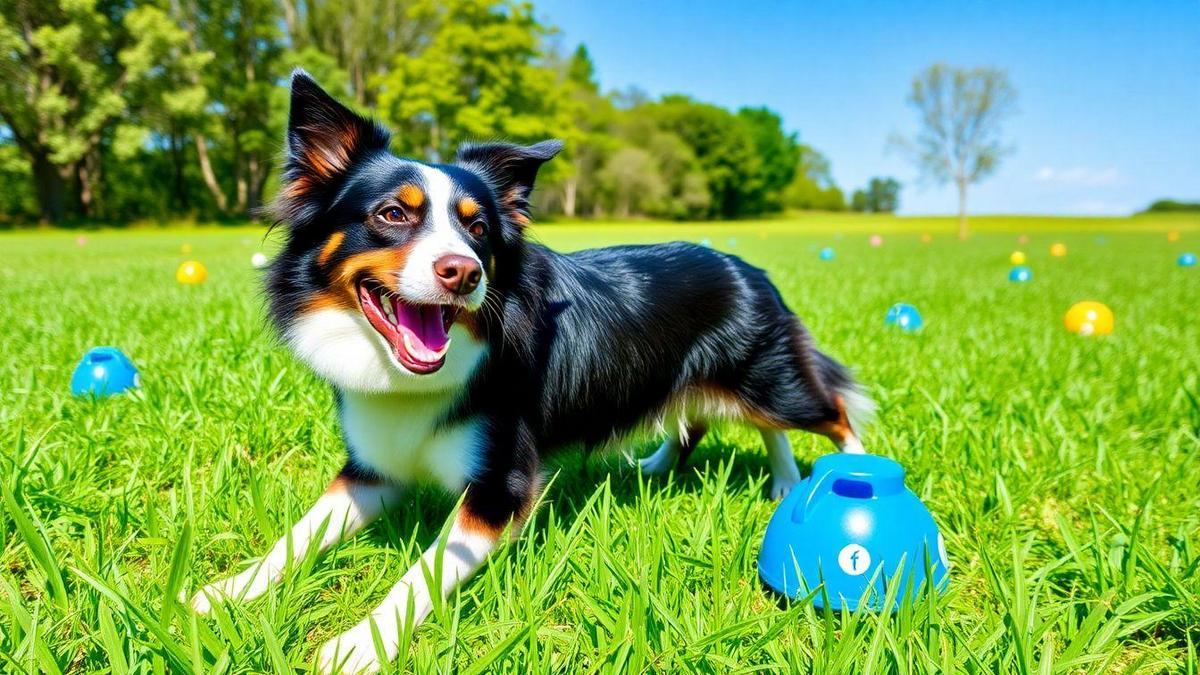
x,y
191,272
1089,318
1058,250
926,238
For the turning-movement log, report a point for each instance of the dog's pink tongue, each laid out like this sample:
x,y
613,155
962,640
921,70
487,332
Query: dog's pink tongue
x,y
427,329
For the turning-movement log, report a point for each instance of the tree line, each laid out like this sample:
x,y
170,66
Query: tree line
x,y
115,110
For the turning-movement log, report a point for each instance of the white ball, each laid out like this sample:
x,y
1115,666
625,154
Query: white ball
x,y
258,260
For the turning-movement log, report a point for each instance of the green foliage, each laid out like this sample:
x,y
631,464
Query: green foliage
x,y
778,153
1061,472
1173,206
812,187
882,195
66,67
172,109
476,78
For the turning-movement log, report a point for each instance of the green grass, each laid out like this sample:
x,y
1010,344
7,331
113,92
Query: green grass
x,y
1062,470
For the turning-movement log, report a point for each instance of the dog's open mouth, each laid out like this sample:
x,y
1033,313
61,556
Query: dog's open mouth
x,y
417,334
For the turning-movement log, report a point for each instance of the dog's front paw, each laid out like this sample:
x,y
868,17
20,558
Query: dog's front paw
x,y
202,602
350,653
781,486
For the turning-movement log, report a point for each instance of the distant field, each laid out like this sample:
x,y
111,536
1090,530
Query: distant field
x,y
1062,470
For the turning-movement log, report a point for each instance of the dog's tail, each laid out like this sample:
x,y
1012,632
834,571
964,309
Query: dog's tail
x,y
836,378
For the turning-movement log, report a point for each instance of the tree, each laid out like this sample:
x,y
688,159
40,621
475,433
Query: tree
x,y
65,68
477,76
723,147
960,114
778,153
882,195
588,138
634,180
362,36
813,188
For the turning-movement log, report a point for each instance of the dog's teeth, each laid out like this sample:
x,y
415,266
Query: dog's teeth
x,y
408,345
386,303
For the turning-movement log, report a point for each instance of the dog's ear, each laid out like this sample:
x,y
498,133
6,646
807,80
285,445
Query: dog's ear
x,y
324,138
510,170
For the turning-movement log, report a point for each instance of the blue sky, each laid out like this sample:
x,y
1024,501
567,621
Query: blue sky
x,y
1109,107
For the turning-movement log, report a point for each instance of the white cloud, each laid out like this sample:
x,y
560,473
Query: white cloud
x,y
1078,175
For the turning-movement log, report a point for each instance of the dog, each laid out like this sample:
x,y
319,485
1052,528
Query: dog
x,y
462,354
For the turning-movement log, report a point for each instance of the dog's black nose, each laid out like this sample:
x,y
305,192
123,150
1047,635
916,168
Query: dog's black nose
x,y
458,273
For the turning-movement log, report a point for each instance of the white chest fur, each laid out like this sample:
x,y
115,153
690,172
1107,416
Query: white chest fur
x,y
398,437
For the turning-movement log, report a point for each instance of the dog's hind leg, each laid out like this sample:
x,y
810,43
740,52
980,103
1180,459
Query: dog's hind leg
x,y
839,429
674,451
349,503
784,472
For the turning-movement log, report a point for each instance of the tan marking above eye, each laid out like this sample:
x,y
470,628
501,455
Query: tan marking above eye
x,y
331,246
411,196
468,207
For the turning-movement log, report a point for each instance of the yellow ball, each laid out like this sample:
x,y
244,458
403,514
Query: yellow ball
x,y
1173,235
1089,318
191,272
926,238
1017,258
1058,250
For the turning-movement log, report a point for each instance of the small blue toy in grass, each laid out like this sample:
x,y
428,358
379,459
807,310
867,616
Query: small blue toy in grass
x,y
1020,274
1187,260
841,525
104,371
905,317
826,253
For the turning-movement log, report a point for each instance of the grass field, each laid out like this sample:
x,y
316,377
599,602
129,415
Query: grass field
x,y
1062,470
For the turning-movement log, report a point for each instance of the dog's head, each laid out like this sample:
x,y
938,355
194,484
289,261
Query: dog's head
x,y
390,261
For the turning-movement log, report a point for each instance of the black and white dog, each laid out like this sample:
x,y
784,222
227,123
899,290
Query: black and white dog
x,y
461,354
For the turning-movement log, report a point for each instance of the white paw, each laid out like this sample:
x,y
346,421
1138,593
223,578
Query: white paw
x,y
781,486
350,652
202,602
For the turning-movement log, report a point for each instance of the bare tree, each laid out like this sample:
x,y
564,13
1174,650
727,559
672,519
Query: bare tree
x,y
961,111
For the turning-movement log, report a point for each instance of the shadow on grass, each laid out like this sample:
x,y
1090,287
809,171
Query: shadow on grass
x,y
575,477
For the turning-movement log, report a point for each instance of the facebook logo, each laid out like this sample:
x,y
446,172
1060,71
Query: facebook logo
x,y
854,559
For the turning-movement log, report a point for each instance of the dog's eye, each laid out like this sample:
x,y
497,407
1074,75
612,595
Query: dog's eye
x,y
393,214
476,229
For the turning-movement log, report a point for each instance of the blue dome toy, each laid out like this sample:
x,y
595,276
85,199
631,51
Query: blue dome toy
x,y
826,253
905,317
1187,260
1020,274
104,371
841,525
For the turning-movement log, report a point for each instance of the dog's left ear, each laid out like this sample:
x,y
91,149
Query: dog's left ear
x,y
510,170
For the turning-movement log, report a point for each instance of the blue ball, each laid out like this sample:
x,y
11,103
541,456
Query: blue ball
x,y
826,253
905,317
706,243
1187,260
104,371
1020,274
843,523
